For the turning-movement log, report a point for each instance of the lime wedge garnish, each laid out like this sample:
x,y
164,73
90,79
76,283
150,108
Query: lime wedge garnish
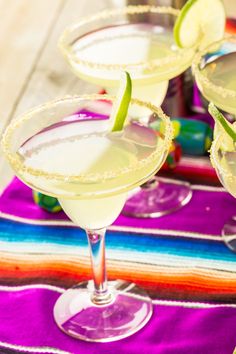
x,y
200,22
121,104
224,124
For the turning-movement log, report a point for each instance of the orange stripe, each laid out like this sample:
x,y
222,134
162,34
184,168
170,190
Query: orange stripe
x,y
147,276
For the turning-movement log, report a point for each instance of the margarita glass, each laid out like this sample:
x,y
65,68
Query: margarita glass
x,y
223,158
139,40
66,149
215,73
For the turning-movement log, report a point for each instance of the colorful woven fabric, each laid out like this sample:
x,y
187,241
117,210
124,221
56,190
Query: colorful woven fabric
x,y
180,259
174,327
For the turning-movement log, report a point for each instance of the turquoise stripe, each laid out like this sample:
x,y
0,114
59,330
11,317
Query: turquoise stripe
x,y
11,231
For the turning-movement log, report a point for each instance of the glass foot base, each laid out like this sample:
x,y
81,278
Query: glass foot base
x,y
229,234
159,197
129,310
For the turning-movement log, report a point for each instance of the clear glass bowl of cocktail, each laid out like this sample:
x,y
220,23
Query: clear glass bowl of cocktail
x,y
223,158
215,72
137,39
66,149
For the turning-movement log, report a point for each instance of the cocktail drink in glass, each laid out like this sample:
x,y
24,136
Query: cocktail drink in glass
x,y
223,158
66,149
138,39
215,72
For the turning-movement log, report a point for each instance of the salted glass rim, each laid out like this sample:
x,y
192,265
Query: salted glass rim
x,y
149,65
17,163
215,161
197,72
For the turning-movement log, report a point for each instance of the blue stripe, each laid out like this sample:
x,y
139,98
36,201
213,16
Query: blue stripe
x,y
11,231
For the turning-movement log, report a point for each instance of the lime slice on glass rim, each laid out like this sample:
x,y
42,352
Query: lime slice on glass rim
x,y
121,104
200,22
225,125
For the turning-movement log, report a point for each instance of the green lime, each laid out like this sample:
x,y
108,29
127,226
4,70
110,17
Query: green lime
x,y
200,22
121,104
224,124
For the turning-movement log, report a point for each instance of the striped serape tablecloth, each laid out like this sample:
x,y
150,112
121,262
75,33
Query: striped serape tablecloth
x,y
180,259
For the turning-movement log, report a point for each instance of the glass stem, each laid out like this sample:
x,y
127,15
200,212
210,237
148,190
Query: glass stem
x,y
96,240
151,184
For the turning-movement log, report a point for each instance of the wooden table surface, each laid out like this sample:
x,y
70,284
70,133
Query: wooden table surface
x,y
32,70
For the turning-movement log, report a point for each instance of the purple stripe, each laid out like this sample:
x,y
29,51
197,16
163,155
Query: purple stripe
x,y
27,320
206,213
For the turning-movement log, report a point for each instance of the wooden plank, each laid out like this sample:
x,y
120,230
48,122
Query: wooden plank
x,y
24,26
51,76
230,7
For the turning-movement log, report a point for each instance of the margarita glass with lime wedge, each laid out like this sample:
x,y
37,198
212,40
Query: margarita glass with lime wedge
x,y
140,40
99,47
70,149
223,158
215,73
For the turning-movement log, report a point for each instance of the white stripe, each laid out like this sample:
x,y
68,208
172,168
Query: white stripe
x,y
36,222
31,286
195,186
190,304
168,260
117,228
155,301
165,232
24,349
208,188
203,162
